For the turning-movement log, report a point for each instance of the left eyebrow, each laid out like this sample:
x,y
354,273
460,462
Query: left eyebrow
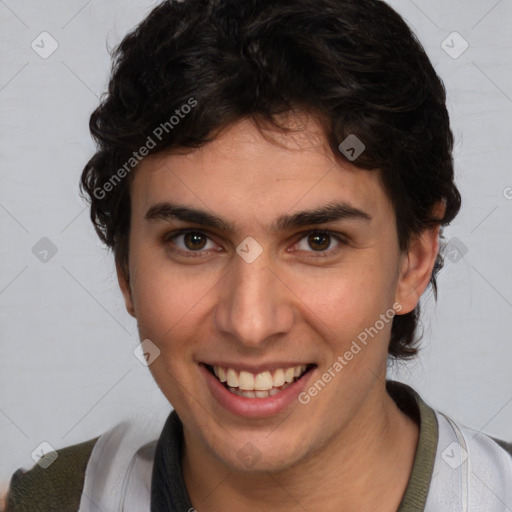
x,y
331,212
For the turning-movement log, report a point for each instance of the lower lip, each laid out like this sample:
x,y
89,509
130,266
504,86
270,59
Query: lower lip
x,y
254,407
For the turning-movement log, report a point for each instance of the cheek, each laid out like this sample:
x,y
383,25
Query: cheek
x,y
163,306
355,293
167,310
169,301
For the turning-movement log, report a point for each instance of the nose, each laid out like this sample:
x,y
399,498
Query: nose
x,y
255,305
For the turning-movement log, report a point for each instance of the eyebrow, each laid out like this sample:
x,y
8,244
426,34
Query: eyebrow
x,y
330,212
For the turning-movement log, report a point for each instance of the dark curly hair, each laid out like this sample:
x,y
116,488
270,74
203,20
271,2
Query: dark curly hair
x,y
354,64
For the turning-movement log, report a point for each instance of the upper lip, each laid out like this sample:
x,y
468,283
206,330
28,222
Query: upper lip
x,y
257,368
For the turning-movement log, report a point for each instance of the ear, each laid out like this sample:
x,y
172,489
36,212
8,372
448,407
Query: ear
x,y
416,269
417,265
124,284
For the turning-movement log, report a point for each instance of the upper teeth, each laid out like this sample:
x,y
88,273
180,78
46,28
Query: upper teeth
x,y
260,381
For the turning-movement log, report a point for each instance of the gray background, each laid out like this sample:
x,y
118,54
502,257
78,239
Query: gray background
x,y
68,372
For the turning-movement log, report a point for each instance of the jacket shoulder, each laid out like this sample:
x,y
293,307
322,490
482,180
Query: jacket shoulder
x,y
58,488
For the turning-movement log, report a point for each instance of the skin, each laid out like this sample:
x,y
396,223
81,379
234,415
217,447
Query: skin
x,y
350,448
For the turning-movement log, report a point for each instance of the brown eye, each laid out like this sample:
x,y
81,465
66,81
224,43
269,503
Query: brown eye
x,y
194,241
190,243
319,241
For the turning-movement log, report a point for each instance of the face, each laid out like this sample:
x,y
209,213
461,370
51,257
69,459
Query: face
x,y
257,265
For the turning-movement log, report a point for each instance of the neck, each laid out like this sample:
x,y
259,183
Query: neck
x,y
365,467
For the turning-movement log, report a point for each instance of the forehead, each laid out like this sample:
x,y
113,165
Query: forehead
x,y
246,172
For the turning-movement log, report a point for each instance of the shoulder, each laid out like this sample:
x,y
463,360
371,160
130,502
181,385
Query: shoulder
x,y
108,470
480,449
57,486
471,469
466,469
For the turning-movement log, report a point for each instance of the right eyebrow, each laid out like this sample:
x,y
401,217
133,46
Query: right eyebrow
x,y
170,211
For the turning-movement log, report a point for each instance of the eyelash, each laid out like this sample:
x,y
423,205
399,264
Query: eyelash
x,y
169,237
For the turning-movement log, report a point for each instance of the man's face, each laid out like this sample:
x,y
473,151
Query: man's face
x,y
212,303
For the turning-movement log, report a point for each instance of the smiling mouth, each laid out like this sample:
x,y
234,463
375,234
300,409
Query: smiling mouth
x,y
260,385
